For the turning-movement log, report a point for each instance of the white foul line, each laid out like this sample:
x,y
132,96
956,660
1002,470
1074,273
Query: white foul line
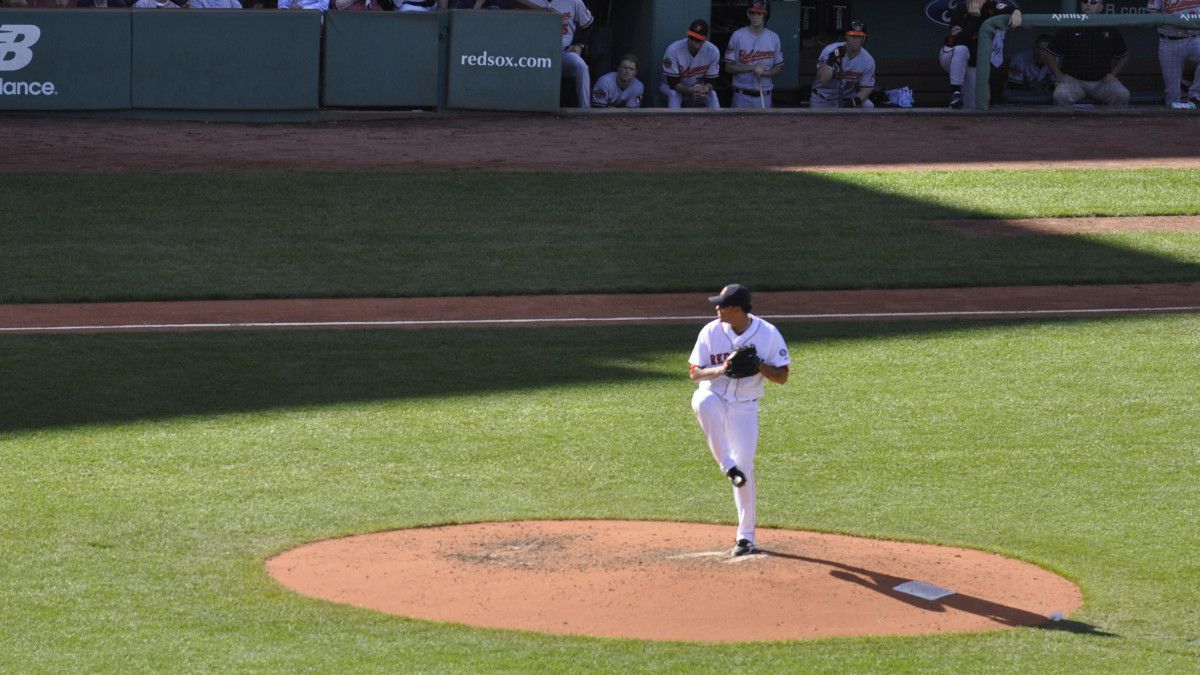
x,y
563,320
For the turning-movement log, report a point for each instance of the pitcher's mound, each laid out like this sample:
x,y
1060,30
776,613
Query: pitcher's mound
x,y
673,581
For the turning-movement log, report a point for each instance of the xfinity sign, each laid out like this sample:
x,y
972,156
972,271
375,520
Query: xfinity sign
x,y
16,42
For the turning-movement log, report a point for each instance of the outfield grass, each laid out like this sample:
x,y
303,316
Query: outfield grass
x,y
146,477
122,237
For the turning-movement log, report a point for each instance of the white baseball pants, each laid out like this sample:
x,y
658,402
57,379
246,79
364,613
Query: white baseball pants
x,y
954,61
1067,94
574,67
741,100
731,428
1172,56
675,99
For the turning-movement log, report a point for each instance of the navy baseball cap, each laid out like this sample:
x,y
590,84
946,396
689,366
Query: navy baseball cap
x,y
733,295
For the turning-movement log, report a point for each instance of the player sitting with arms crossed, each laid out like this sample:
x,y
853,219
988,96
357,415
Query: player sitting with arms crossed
x,y
621,88
734,356
845,73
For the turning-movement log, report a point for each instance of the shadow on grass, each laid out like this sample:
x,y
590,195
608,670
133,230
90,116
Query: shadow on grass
x,y
1077,627
66,380
387,235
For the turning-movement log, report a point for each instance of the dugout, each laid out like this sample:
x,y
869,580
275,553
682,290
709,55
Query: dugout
x,y
194,60
904,38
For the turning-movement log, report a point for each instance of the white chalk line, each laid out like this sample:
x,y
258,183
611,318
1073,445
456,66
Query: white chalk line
x,y
757,555
700,554
417,323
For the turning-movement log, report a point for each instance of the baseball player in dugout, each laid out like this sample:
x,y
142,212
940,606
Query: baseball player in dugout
x,y
691,67
620,88
1087,61
1176,48
754,56
958,55
845,72
735,355
576,20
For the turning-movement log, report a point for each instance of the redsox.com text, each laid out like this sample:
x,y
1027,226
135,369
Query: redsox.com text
x,y
486,60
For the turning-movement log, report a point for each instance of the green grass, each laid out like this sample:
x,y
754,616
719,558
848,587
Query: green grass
x,y
106,237
146,477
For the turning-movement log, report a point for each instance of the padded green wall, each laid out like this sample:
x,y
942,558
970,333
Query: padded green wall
x,y
226,60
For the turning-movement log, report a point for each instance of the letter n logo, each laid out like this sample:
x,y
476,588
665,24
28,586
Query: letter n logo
x,y
15,43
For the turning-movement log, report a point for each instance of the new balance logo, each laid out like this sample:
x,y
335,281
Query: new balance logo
x,y
15,43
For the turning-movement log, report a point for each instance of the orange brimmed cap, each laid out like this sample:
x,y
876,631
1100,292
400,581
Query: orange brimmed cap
x,y
698,30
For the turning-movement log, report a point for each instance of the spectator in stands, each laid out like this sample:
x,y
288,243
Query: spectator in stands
x,y
357,5
958,56
1177,47
14,3
621,88
477,4
214,4
845,72
102,4
691,67
155,4
576,20
318,5
1028,70
421,5
1087,61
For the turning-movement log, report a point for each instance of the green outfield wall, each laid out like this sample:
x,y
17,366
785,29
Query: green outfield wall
x,y
59,60
196,60
504,60
231,60
381,59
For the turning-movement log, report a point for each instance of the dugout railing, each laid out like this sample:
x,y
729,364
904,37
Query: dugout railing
x,y
1050,23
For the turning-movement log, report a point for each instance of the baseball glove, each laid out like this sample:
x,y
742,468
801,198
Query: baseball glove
x,y
742,362
834,60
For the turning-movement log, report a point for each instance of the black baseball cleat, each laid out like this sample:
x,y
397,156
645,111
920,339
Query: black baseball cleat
x,y
956,99
743,547
736,477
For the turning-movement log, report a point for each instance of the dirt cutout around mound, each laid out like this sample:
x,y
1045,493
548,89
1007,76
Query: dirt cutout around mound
x,y
672,581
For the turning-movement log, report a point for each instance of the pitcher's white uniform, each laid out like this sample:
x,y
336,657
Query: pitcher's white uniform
x,y
749,49
574,14
856,71
1176,46
727,409
679,62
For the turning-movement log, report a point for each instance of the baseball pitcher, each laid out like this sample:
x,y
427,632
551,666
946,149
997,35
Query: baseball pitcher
x,y
735,355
